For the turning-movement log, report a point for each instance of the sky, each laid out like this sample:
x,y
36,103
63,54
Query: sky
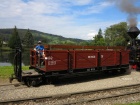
x,y
80,19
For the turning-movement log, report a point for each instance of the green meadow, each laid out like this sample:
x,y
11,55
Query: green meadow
x,y
6,71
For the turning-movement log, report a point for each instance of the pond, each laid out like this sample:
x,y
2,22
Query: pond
x,y
7,58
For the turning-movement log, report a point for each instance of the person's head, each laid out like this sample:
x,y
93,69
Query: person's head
x,y
39,42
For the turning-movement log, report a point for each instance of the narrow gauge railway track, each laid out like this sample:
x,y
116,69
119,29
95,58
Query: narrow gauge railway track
x,y
9,84
12,86
79,97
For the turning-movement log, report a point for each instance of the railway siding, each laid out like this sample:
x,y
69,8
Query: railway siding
x,y
82,97
52,90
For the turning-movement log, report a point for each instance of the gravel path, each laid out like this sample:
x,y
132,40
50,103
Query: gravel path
x,y
6,81
48,90
88,96
115,101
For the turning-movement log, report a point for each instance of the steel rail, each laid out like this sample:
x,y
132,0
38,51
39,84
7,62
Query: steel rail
x,y
15,86
75,93
102,98
10,84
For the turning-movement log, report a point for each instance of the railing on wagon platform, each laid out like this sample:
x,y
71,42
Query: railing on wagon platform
x,y
77,47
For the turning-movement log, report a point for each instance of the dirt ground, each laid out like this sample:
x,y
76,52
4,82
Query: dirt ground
x,y
4,81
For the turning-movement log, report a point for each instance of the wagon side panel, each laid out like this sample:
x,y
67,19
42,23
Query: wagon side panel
x,y
56,60
125,57
107,58
86,59
118,57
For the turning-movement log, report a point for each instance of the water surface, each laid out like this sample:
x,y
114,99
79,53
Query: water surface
x,y
7,58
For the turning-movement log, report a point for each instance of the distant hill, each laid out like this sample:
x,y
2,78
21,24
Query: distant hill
x,y
46,38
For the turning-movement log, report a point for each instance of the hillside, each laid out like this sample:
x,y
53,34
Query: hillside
x,y
44,37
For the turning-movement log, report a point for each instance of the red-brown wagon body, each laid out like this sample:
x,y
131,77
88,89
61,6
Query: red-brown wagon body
x,y
71,60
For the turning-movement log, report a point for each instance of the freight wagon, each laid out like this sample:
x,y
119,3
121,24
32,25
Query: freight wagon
x,y
64,60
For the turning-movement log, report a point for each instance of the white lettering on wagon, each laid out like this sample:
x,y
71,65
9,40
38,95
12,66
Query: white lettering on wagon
x,y
92,56
51,62
102,56
49,58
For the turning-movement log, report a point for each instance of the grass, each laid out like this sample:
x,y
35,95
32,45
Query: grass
x,y
5,48
137,103
6,71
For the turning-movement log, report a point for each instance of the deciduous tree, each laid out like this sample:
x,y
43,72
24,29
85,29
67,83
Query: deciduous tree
x,y
116,35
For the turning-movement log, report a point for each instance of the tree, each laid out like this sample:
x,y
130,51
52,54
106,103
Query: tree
x,y
1,42
45,40
14,39
100,34
116,35
28,40
98,39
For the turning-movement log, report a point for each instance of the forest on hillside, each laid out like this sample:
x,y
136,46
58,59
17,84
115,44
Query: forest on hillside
x,y
46,38
114,35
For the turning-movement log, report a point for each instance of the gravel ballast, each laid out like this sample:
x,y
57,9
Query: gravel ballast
x,y
52,90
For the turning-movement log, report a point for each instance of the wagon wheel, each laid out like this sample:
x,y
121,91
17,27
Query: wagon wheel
x,y
48,80
106,72
138,67
28,83
122,71
114,72
128,71
125,71
31,83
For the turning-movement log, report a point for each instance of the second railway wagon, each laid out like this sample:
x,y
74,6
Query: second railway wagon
x,y
63,60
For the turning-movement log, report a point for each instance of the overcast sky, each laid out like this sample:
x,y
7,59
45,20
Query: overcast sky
x,y
68,18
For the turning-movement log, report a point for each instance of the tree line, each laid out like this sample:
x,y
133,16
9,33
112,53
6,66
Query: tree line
x,y
15,41
115,35
46,38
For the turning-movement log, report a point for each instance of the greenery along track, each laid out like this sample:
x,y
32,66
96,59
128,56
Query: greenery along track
x,y
6,71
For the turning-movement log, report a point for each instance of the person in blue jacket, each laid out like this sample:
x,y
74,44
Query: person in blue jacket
x,y
39,49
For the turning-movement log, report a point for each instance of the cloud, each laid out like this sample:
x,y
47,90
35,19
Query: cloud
x,y
54,16
91,34
34,7
92,8
80,2
99,7
10,9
